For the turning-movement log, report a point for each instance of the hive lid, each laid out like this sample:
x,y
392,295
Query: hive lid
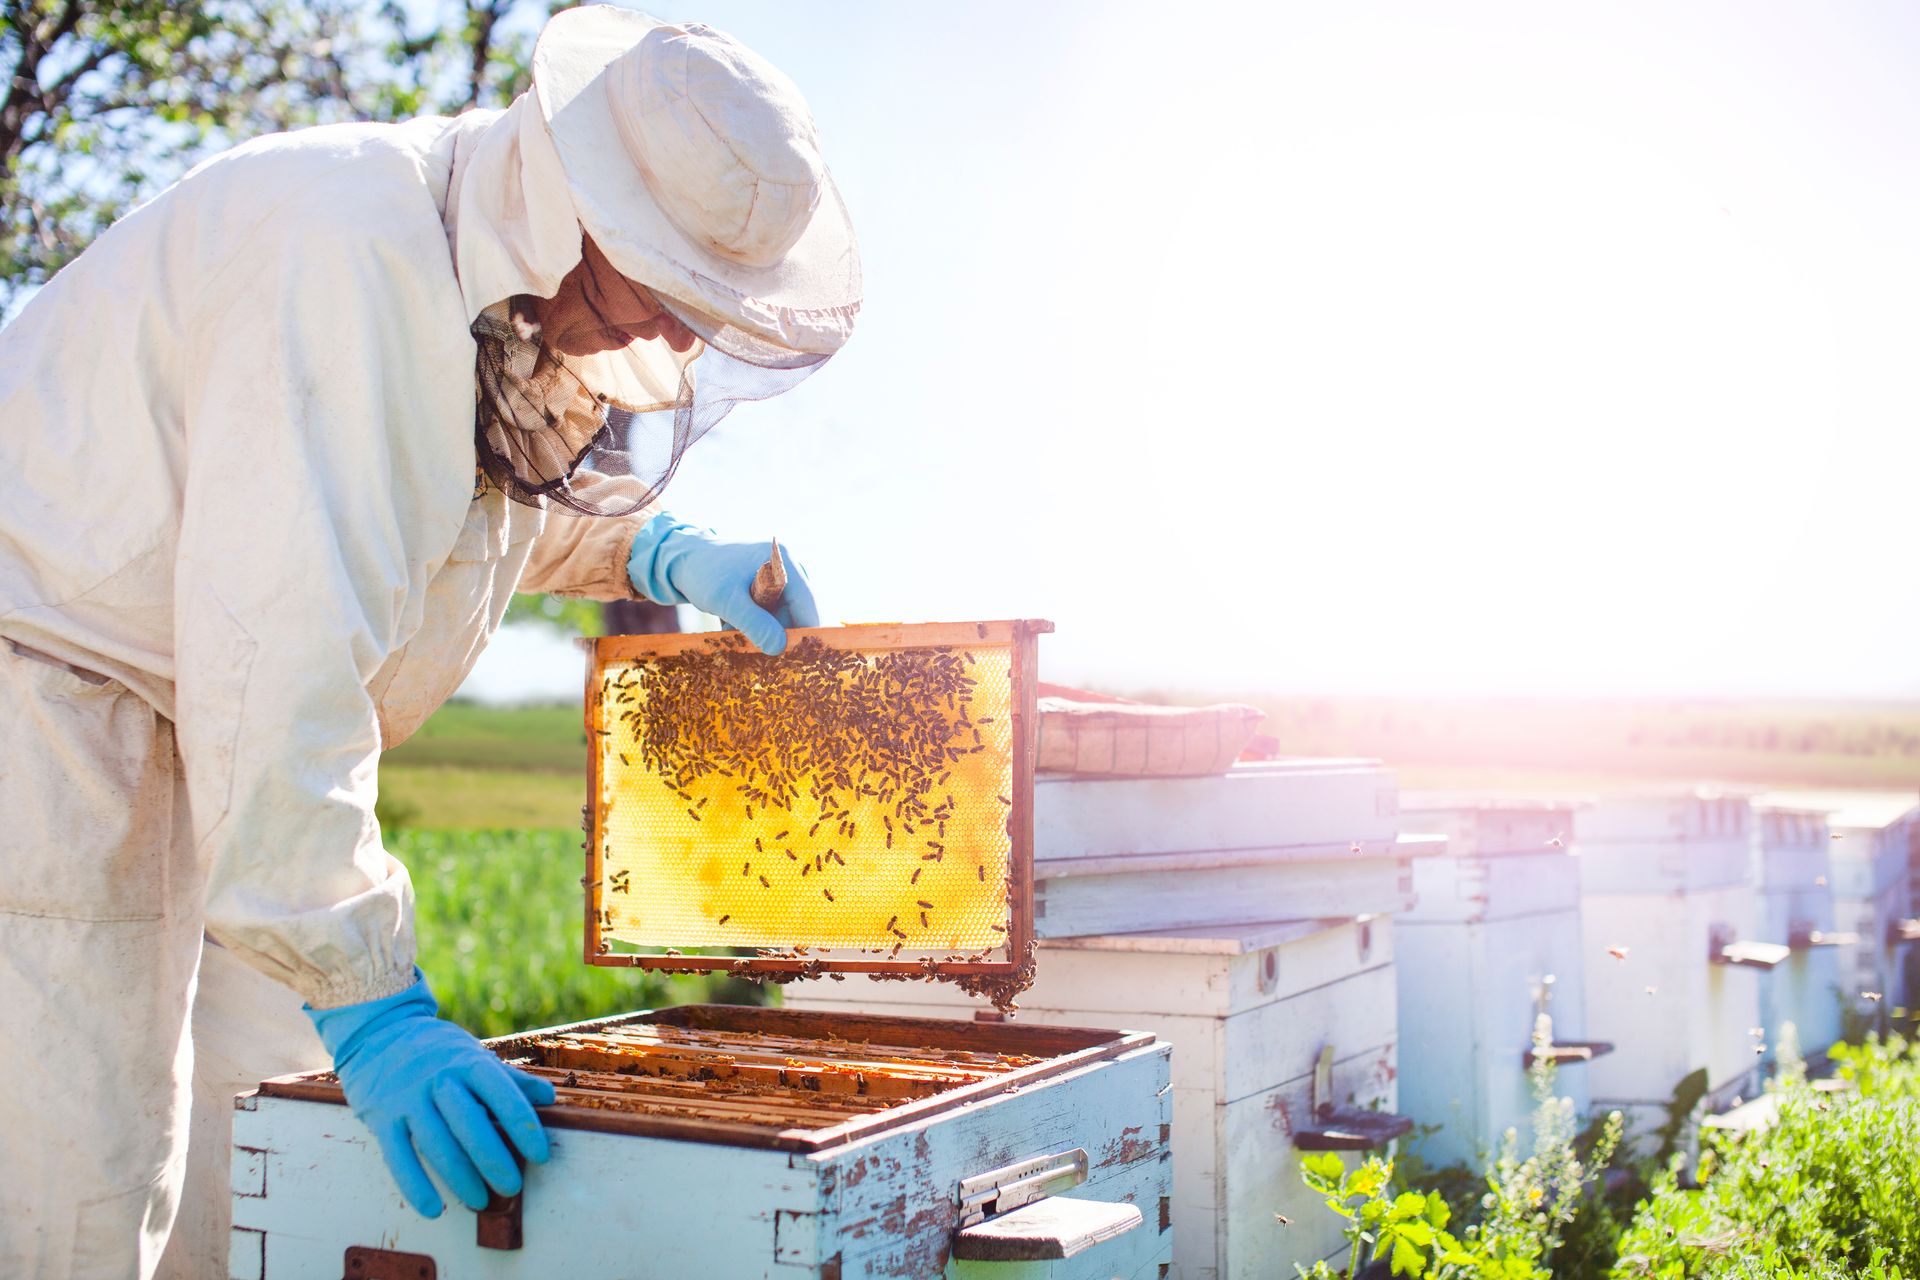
x,y
862,803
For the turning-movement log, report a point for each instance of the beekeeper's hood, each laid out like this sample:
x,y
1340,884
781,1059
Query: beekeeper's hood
x,y
694,165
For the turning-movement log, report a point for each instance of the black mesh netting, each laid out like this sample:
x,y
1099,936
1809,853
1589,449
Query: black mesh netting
x,y
543,432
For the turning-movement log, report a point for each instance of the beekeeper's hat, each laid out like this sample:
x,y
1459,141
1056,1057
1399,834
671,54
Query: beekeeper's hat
x,y
694,165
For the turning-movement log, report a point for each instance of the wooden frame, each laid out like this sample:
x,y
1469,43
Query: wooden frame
x,y
1069,1048
1020,636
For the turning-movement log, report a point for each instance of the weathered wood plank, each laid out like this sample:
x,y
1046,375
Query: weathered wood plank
x,y
1266,805
599,1204
1260,1176
1056,1227
892,1202
1345,886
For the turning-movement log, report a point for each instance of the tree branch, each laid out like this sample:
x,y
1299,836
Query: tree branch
x,y
480,22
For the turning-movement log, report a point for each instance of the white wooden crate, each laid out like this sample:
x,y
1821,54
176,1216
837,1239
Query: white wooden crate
x,y
1287,839
1871,899
1876,838
654,1202
1795,865
1247,1011
1493,939
1665,880
1273,804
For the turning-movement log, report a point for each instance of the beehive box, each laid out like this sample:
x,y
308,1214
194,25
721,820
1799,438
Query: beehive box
x,y
1492,941
1248,1012
1283,839
862,804
1794,852
712,1141
1871,902
1673,964
1874,838
1250,1005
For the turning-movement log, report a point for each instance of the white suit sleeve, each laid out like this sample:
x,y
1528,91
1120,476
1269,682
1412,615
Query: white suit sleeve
x,y
328,465
577,555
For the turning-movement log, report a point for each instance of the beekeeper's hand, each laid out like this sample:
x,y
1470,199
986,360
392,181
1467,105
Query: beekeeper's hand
x,y
675,563
427,1088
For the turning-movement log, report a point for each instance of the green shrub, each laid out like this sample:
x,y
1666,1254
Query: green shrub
x,y
1831,1189
1522,1215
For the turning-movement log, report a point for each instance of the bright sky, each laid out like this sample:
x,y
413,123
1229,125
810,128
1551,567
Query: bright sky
x,y
1365,347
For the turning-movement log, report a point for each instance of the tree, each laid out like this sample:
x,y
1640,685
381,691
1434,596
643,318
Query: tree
x,y
107,102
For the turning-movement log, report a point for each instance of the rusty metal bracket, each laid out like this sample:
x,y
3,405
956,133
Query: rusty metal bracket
x,y
366,1263
498,1225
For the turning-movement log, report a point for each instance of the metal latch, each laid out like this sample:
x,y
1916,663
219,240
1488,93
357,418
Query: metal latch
x,y
363,1263
1000,1190
498,1225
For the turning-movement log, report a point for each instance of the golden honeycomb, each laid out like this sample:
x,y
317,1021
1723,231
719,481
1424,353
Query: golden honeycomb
x,y
836,798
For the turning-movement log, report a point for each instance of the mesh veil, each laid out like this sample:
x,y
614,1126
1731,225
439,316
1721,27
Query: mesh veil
x,y
544,432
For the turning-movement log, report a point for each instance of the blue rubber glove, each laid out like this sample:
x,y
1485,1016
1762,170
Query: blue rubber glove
x,y
427,1088
675,563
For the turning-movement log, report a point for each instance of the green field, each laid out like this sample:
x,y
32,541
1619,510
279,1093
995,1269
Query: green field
x,y
462,735
481,768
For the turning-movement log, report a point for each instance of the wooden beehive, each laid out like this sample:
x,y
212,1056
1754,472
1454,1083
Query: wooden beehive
x,y
1872,903
1874,838
1795,865
716,1141
1255,1009
1283,839
1492,941
1674,962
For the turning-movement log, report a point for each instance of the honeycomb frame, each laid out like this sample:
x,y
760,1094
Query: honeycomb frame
x,y
794,957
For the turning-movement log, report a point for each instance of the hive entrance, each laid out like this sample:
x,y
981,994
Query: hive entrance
x,y
862,802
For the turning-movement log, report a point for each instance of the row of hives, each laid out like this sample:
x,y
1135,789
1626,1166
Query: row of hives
x,y
1335,964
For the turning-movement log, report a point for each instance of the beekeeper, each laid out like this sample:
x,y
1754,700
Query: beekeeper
x,y
274,453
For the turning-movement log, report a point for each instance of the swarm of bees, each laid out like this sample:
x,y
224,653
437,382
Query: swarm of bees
x,y
857,746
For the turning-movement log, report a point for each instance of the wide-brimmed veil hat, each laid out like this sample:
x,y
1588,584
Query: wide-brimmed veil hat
x,y
694,165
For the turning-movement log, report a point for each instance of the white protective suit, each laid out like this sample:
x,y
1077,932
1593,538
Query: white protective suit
x,y
242,550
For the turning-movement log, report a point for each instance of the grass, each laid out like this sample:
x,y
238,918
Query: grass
x,y
465,736
445,798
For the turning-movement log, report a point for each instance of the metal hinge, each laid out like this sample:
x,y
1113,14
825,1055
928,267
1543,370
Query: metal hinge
x,y
1000,1190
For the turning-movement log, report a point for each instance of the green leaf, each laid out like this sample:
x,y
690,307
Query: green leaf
x,y
1323,1164
1406,1260
1408,1206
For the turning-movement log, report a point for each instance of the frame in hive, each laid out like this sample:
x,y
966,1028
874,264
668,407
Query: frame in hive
x,y
862,803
